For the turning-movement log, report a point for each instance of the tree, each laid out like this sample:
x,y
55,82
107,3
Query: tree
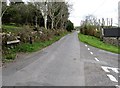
x,y
91,19
89,25
20,13
70,26
63,15
53,11
42,6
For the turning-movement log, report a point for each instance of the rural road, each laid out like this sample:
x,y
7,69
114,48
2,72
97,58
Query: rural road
x,y
67,62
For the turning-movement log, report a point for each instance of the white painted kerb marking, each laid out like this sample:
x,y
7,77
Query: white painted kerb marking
x,y
96,59
91,52
106,69
112,78
88,48
86,45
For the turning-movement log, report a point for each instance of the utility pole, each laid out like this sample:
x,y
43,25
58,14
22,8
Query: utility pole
x,y
107,22
111,22
103,22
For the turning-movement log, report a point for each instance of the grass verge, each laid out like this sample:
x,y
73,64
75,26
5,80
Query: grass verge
x,y
93,41
26,47
10,28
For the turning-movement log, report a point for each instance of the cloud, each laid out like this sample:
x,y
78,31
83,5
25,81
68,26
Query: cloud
x,y
99,8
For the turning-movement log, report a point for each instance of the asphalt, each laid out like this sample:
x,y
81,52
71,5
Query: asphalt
x,y
67,62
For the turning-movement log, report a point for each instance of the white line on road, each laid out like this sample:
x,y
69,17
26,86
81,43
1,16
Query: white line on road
x,y
86,45
112,78
88,48
115,70
91,53
106,69
96,59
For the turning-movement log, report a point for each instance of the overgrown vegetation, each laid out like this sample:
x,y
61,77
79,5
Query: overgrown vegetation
x,y
35,27
39,41
90,26
93,41
90,33
70,26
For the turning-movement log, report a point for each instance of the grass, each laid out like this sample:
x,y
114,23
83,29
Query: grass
x,y
10,52
93,41
26,47
10,28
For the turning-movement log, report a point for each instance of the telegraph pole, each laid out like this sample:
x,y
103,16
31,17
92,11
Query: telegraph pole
x,y
111,22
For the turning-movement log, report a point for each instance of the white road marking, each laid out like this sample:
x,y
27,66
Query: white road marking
x,y
115,70
88,48
91,53
106,69
86,45
96,59
118,86
112,78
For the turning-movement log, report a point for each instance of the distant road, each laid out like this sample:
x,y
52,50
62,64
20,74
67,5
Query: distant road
x,y
67,62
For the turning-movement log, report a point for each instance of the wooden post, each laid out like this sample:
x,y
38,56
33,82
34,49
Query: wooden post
x,y
30,40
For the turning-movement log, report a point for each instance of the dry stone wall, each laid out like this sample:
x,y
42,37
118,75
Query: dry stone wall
x,y
112,40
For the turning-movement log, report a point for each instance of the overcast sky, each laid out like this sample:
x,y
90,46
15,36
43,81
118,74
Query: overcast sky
x,y
99,8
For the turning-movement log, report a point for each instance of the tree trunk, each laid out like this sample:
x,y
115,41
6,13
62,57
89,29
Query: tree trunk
x,y
45,22
0,23
52,24
36,21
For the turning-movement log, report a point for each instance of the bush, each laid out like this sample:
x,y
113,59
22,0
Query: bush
x,y
90,30
40,38
69,26
97,34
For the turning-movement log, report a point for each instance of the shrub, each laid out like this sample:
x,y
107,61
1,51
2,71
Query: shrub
x,y
69,26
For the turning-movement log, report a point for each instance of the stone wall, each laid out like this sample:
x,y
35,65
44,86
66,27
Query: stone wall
x,y
112,40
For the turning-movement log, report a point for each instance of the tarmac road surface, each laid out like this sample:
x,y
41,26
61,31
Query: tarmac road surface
x,y
67,62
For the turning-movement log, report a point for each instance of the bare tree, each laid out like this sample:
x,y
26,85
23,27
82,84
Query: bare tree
x,y
62,17
3,9
42,6
92,20
53,11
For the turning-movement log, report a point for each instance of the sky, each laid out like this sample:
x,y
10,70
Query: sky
x,y
99,8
